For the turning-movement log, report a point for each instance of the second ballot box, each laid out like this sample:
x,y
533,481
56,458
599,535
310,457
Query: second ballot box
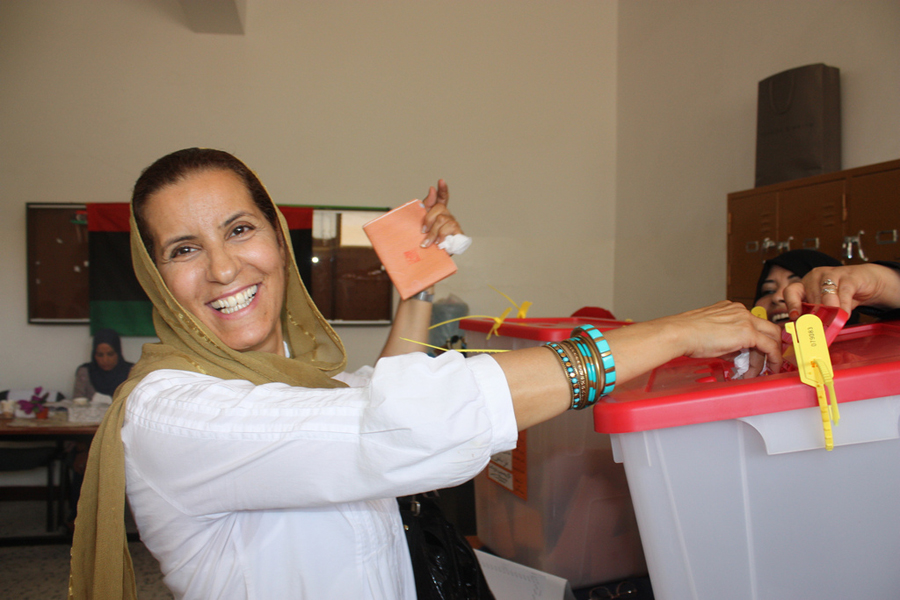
x,y
558,503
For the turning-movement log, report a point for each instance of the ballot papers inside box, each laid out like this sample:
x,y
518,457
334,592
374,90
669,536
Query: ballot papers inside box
x,y
558,503
735,494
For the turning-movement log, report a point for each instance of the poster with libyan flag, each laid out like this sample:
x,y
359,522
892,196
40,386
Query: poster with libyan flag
x,y
117,300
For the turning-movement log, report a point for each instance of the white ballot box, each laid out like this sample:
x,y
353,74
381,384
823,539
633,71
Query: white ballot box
x,y
734,492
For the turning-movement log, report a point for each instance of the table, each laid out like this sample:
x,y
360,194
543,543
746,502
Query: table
x,y
47,430
44,429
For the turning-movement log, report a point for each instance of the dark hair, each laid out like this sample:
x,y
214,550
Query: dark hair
x,y
178,166
798,262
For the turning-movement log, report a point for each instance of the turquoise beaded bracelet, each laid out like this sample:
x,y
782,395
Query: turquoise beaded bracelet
x,y
572,373
606,357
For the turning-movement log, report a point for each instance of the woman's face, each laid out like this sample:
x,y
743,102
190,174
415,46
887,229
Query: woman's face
x,y
772,298
220,258
106,356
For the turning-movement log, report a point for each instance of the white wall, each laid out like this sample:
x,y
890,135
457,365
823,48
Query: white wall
x,y
340,103
575,135
688,74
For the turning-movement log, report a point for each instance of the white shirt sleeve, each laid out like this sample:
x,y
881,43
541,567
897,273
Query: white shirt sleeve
x,y
209,445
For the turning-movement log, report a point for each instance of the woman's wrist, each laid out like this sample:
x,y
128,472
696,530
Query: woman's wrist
x,y
674,337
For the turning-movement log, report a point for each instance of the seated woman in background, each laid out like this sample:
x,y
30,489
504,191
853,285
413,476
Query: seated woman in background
x,y
253,466
107,370
780,272
871,288
813,277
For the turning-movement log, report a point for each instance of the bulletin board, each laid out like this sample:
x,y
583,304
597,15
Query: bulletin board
x,y
57,254
337,264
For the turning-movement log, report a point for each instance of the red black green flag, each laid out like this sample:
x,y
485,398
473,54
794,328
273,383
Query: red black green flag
x,y
117,300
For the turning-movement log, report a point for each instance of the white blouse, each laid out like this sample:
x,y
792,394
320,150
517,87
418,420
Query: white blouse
x,y
278,492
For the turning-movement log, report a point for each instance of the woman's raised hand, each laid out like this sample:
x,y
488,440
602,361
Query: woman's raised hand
x,y
848,287
439,223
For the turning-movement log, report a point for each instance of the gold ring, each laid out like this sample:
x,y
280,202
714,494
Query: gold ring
x,y
829,286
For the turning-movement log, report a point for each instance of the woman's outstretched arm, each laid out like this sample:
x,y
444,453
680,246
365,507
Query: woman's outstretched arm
x,y
540,391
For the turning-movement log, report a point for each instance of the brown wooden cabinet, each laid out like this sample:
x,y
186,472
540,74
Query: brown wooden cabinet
x,y
853,215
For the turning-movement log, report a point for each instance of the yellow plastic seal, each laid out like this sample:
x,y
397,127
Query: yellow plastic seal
x,y
814,367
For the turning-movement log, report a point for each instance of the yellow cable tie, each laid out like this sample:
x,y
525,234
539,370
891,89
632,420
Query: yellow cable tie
x,y
498,321
828,381
814,368
522,309
462,350
825,410
461,318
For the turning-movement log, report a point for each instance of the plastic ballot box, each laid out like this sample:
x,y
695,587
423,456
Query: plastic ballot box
x,y
735,494
558,503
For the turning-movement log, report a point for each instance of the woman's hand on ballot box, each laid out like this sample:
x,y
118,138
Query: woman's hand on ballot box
x,y
723,329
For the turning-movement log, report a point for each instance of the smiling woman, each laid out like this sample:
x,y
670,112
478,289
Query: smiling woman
x,y
253,465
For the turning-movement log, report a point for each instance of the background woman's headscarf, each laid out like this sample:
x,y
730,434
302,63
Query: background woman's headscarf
x,y
798,262
101,566
103,381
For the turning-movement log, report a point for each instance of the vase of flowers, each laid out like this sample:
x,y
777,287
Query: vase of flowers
x,y
34,408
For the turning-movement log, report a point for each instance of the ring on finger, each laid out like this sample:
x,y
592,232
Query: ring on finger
x,y
829,286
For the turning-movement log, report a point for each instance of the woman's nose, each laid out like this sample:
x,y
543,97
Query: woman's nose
x,y
778,296
223,267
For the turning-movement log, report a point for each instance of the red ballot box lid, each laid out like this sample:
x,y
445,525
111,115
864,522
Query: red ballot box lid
x,y
865,359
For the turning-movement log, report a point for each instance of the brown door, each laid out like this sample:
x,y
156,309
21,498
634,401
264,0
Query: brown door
x,y
811,217
873,217
752,239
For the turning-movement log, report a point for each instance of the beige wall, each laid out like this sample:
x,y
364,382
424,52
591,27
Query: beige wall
x,y
576,136
341,103
688,75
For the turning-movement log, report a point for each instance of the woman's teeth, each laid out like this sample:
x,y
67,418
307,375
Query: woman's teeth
x,y
235,303
779,317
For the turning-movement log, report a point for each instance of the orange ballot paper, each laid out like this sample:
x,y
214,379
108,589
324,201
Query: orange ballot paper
x,y
397,237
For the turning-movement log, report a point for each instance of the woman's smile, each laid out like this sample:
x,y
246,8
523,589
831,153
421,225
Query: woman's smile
x,y
236,302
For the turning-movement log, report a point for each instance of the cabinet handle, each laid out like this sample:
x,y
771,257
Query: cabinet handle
x,y
785,245
751,247
887,236
849,240
811,243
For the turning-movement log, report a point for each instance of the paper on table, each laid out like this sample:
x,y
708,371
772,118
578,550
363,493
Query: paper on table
x,y
512,581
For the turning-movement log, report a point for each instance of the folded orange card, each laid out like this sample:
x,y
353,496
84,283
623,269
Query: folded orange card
x,y
397,237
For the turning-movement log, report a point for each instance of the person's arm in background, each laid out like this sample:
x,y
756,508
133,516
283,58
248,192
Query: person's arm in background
x,y
83,387
414,315
871,285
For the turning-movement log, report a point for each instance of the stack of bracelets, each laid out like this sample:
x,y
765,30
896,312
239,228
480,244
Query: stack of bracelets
x,y
588,364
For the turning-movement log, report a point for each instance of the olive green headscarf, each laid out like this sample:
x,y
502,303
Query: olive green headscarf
x,y
101,565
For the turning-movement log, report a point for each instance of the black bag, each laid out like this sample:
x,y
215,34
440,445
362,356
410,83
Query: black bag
x,y
444,564
798,124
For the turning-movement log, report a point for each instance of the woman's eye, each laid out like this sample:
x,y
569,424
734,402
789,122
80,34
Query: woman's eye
x,y
241,230
767,292
181,251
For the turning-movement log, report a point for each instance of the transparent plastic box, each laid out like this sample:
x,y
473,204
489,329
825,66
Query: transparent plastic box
x,y
559,504
735,495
